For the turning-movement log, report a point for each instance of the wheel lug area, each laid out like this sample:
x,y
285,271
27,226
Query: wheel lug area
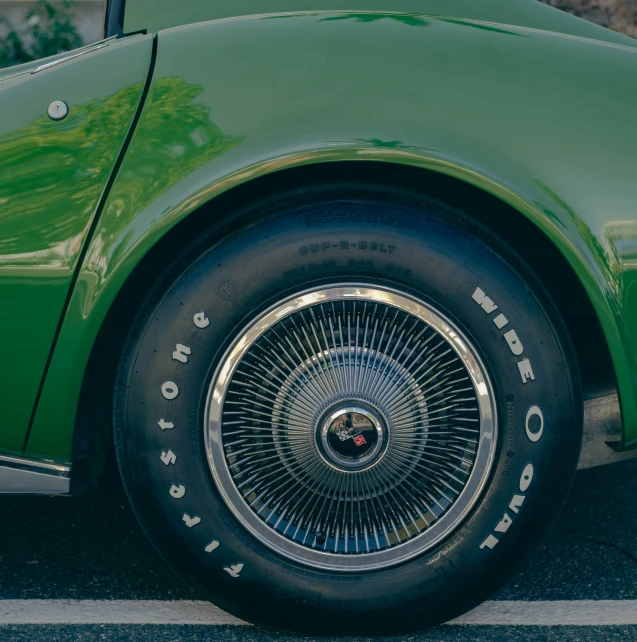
x,y
352,436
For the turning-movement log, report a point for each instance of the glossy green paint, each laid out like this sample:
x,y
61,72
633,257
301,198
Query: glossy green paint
x,y
52,175
155,15
542,121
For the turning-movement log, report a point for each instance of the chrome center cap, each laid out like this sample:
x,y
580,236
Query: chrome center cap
x,y
351,436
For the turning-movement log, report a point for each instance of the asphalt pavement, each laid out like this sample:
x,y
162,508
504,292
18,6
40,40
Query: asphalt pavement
x,y
91,548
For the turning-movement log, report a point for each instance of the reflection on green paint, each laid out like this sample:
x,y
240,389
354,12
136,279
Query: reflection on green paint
x,y
395,145
604,260
620,241
177,137
404,18
52,175
483,26
378,143
620,238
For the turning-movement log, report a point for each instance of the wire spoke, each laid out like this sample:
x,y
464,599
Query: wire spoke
x,y
370,355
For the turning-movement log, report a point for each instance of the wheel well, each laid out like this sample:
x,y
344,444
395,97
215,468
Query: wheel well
x,y
93,426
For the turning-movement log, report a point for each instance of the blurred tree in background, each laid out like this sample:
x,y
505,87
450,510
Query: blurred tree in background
x,y
619,15
47,29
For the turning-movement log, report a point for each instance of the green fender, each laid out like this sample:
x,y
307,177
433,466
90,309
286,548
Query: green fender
x,y
545,122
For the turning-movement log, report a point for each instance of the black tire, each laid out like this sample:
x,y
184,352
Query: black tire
x,y
428,251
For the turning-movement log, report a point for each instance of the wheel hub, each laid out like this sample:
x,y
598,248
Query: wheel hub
x,y
351,436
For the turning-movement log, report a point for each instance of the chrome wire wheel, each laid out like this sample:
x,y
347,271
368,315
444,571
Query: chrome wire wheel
x,y
350,427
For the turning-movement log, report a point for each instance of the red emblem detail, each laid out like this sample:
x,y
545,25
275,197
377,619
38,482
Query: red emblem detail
x,y
359,440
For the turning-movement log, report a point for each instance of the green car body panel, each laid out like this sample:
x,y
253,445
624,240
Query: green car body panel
x,y
536,110
156,15
52,176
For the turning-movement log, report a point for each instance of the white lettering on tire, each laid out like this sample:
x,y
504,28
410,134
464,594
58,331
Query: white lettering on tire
x,y
515,504
181,352
168,457
534,411
169,390
211,547
527,478
500,321
165,425
484,301
177,491
490,542
526,372
200,320
514,343
511,337
503,524
233,570
191,521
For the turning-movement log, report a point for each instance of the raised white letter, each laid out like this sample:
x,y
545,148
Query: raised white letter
x,y
200,320
514,343
484,301
500,321
177,491
527,478
165,425
169,389
191,521
211,547
180,353
516,503
534,436
168,457
503,525
526,372
490,542
234,570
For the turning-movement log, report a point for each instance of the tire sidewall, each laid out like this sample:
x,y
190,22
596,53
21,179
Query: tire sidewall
x,y
426,252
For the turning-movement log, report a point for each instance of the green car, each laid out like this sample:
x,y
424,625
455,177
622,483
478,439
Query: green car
x,y
346,289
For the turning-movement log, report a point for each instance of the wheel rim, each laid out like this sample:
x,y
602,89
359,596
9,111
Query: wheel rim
x,y
350,427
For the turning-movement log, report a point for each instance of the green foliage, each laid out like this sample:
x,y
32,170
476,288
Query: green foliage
x,y
47,29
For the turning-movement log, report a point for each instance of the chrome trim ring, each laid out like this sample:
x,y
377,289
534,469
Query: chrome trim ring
x,y
21,476
351,346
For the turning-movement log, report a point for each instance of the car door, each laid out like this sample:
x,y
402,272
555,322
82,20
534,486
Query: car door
x,y
54,173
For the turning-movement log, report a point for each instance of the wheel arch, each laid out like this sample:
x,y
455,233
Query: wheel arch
x,y
522,225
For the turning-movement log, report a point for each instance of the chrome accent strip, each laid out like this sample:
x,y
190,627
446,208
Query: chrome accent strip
x,y
76,54
26,476
21,462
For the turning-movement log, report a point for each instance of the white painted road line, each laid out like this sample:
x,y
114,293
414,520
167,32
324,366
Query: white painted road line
x,y
112,612
558,613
